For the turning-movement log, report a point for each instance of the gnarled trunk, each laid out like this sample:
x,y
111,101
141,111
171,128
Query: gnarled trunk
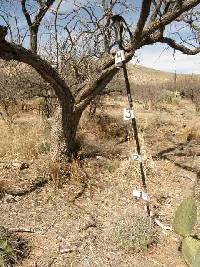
x,y
63,133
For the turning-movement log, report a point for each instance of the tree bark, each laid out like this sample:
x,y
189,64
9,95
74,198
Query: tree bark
x,y
34,39
63,133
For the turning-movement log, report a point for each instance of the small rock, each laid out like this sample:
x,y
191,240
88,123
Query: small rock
x,y
24,166
9,199
20,165
99,157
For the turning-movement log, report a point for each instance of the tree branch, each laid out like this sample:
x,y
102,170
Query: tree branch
x,y
145,10
156,11
97,84
169,17
11,51
42,11
179,47
26,13
34,26
94,87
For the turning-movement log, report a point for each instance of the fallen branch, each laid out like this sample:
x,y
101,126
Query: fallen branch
x,y
38,183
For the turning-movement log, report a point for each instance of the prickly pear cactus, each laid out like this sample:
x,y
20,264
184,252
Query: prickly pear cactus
x,y
185,217
1,260
196,262
190,247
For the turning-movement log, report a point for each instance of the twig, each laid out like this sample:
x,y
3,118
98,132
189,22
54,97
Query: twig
x,y
21,230
188,177
69,250
164,227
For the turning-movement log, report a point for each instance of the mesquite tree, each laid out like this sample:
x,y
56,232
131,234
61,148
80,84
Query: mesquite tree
x,y
79,41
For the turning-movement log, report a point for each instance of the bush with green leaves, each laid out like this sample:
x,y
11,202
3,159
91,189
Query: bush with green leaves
x,y
184,221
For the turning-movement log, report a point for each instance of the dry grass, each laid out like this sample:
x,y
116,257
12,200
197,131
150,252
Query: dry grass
x,y
91,219
25,139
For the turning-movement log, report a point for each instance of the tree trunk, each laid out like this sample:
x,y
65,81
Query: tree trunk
x,y
34,38
63,133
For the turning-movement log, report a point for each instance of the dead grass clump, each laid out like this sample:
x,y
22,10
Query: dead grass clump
x,y
62,172
44,147
134,233
169,97
110,127
193,134
12,248
24,140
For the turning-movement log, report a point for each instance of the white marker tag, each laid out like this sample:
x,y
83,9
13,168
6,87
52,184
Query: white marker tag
x,y
119,58
136,157
128,114
139,194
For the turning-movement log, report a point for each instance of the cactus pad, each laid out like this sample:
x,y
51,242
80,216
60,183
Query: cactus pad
x,y
190,247
185,217
196,262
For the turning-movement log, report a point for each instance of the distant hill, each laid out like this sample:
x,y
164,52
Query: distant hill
x,y
142,75
17,78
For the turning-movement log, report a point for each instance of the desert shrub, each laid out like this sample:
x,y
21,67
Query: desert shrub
x,y
134,233
44,147
169,97
110,127
12,248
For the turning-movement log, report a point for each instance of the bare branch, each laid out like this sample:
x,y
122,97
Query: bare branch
x,y
56,32
34,26
10,51
169,17
26,13
8,26
179,47
156,11
145,10
42,11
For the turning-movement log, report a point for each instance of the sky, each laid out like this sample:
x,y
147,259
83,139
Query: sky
x,y
155,56
163,58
